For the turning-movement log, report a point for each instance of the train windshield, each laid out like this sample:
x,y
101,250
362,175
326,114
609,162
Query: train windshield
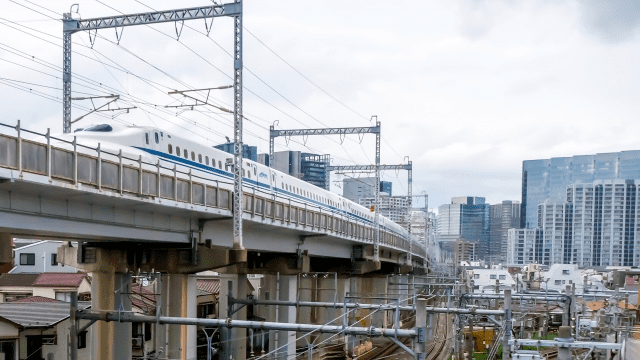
x,y
99,128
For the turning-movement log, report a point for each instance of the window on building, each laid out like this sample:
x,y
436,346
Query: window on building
x,y
476,276
558,282
63,296
503,277
54,259
492,276
206,310
49,340
565,272
141,330
82,340
27,259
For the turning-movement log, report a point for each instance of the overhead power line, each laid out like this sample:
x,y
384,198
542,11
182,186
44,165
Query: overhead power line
x,y
122,69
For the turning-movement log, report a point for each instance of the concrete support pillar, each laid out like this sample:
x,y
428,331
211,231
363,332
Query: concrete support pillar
x,y
110,291
234,340
309,290
6,245
162,288
181,302
282,288
564,332
326,315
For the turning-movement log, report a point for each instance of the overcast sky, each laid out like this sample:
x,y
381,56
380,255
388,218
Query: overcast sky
x,y
466,89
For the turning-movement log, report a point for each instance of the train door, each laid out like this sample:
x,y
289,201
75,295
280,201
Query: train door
x,y
272,179
155,139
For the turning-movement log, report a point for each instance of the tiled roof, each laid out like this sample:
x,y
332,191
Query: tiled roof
x,y
37,314
209,285
32,299
59,279
18,279
143,299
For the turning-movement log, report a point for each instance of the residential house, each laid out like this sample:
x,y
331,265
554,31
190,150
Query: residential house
x,y
485,280
560,276
38,257
49,285
38,328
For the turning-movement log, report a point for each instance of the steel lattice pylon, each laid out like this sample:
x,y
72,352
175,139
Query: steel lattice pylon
x,y
234,9
377,168
273,133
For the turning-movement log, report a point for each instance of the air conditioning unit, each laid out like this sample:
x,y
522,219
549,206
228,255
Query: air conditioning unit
x,y
137,342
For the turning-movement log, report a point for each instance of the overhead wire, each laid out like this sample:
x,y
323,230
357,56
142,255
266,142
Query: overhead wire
x,y
121,69
251,72
49,97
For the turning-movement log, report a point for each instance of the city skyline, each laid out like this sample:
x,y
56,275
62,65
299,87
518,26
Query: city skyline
x,y
468,89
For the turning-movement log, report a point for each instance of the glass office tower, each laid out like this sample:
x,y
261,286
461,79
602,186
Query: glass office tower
x,y
547,180
465,219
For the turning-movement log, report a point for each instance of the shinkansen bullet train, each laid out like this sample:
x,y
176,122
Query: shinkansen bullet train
x,y
153,145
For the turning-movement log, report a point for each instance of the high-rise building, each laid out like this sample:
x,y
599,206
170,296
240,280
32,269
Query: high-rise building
x,y
596,225
394,208
524,246
360,188
503,217
546,180
464,251
386,187
423,226
248,152
311,168
465,219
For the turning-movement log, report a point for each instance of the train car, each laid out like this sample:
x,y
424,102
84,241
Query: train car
x,y
153,145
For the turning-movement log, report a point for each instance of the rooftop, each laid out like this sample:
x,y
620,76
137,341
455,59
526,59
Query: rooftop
x,y
59,279
43,279
37,314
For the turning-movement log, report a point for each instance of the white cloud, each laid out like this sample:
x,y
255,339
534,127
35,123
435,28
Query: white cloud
x,y
468,89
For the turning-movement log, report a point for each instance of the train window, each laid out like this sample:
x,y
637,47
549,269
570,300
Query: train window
x,y
255,172
100,128
193,156
170,149
206,160
178,150
220,164
249,174
243,173
186,154
146,138
200,158
157,139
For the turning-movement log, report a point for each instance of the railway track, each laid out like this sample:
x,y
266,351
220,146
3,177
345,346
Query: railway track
x,y
435,352
549,353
